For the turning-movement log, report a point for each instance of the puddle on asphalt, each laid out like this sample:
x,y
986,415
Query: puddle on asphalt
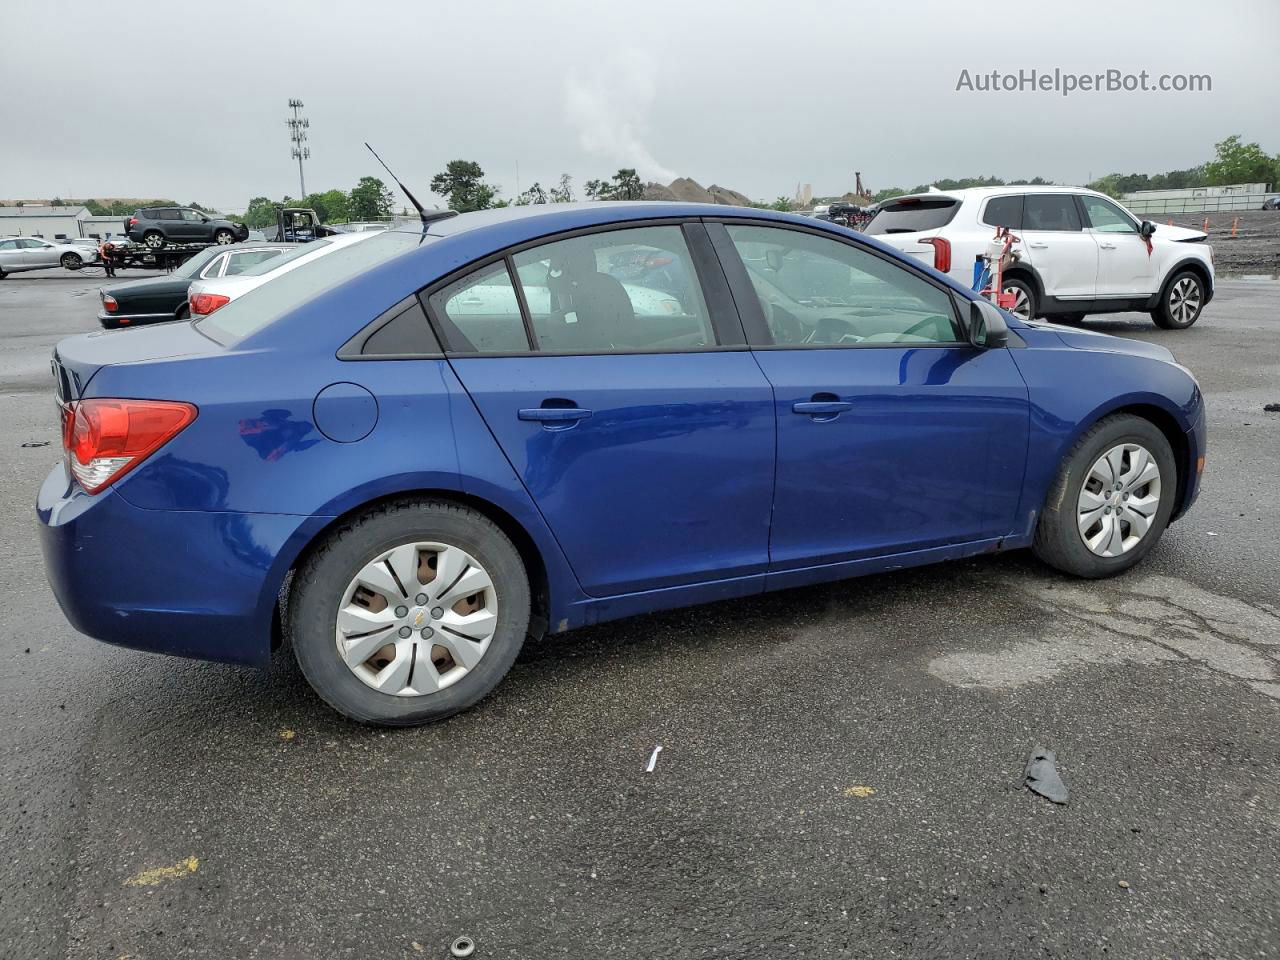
x,y
1154,619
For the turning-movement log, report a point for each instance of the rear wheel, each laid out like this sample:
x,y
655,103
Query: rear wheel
x,y
153,239
1181,302
1111,500
71,261
409,613
1024,298
223,236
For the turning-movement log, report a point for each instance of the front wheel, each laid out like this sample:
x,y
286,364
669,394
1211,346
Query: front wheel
x,y
223,237
1181,303
1111,500
71,261
409,613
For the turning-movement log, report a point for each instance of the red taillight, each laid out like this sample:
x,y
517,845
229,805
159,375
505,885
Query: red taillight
x,y
133,221
941,253
109,303
205,303
105,439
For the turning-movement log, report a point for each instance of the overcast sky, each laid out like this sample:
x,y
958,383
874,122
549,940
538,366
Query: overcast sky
x,y
187,101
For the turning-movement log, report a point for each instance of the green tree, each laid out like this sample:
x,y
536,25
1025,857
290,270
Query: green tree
x,y
534,194
1238,162
370,198
462,184
260,213
564,192
782,203
623,185
332,206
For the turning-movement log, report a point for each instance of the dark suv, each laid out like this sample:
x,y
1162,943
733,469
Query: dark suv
x,y
156,226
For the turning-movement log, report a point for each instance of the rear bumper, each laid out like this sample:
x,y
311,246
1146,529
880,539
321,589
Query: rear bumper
x,y
188,583
113,320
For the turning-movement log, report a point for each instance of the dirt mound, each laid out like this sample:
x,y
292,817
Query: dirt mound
x,y
688,190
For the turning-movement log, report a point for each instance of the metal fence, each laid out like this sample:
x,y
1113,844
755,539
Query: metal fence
x,y
1226,204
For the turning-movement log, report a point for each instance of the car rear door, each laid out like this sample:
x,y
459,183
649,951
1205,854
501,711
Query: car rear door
x,y
1063,253
635,416
10,256
1126,267
894,434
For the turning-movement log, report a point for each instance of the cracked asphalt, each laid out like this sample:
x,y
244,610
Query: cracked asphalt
x,y
840,772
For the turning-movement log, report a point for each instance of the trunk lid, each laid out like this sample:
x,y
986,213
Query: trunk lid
x,y
77,359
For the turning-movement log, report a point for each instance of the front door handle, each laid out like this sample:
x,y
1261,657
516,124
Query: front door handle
x,y
822,409
554,414
1107,246
1038,246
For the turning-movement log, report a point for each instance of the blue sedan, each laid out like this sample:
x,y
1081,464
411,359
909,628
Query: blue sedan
x,y
412,454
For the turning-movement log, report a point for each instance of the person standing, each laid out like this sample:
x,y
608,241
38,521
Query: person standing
x,y
107,250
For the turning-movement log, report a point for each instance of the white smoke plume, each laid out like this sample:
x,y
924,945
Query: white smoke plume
x,y
609,107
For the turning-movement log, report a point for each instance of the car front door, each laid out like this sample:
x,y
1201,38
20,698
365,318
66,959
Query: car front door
x,y
636,418
38,254
190,226
894,433
1125,265
1063,253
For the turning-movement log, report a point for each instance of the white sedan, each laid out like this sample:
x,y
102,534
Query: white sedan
x,y
31,253
206,296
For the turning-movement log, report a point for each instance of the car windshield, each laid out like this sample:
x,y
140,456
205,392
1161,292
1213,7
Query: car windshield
x,y
265,304
191,267
913,215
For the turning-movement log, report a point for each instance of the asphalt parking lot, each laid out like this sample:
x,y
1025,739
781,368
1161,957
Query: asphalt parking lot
x,y
840,772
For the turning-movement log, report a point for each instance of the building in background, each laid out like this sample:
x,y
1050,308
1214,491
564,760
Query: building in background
x,y
1234,196
38,220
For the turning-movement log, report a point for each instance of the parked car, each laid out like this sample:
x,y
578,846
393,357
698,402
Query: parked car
x,y
157,299
18,254
1079,253
206,295
350,456
157,226
1271,203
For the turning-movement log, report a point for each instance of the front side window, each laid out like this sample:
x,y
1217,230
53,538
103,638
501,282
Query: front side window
x,y
191,215
1050,211
622,290
818,292
1105,217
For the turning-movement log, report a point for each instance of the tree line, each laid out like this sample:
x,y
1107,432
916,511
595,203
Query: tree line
x,y
369,199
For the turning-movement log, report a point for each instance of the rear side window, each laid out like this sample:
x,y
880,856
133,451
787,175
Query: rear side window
x,y
913,215
1050,211
1003,212
170,215
240,262
481,314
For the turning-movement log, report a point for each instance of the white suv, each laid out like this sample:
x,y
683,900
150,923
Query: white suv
x,y
1079,252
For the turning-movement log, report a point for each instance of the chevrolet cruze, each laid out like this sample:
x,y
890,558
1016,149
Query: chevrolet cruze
x,y
408,456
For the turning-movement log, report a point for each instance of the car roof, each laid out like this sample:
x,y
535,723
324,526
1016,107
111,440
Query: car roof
x,y
978,193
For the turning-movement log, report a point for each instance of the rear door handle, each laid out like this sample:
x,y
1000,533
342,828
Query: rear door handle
x,y
821,408
554,414
1107,246
1038,246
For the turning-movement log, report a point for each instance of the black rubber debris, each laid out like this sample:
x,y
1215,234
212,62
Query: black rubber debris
x,y
36,443
1042,776
1272,408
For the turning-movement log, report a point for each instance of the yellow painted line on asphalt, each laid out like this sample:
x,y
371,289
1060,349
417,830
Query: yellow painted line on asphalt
x,y
156,875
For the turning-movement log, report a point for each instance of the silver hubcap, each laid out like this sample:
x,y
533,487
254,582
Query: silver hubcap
x,y
1184,300
416,619
1119,500
1021,304
154,240
224,238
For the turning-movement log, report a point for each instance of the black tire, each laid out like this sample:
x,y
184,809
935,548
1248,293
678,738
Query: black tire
x,y
154,239
1172,312
1070,319
223,236
71,261
1058,541
320,582
1022,288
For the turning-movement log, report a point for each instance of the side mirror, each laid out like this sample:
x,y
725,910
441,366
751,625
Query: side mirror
x,y
1146,229
986,325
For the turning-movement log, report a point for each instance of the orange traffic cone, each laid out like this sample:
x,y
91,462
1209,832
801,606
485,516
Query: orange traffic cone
x,y
1234,224
1206,224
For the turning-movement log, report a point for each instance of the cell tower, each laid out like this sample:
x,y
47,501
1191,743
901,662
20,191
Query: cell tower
x,y
298,125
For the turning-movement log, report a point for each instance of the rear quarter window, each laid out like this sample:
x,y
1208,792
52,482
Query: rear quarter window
x,y
1003,212
913,215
